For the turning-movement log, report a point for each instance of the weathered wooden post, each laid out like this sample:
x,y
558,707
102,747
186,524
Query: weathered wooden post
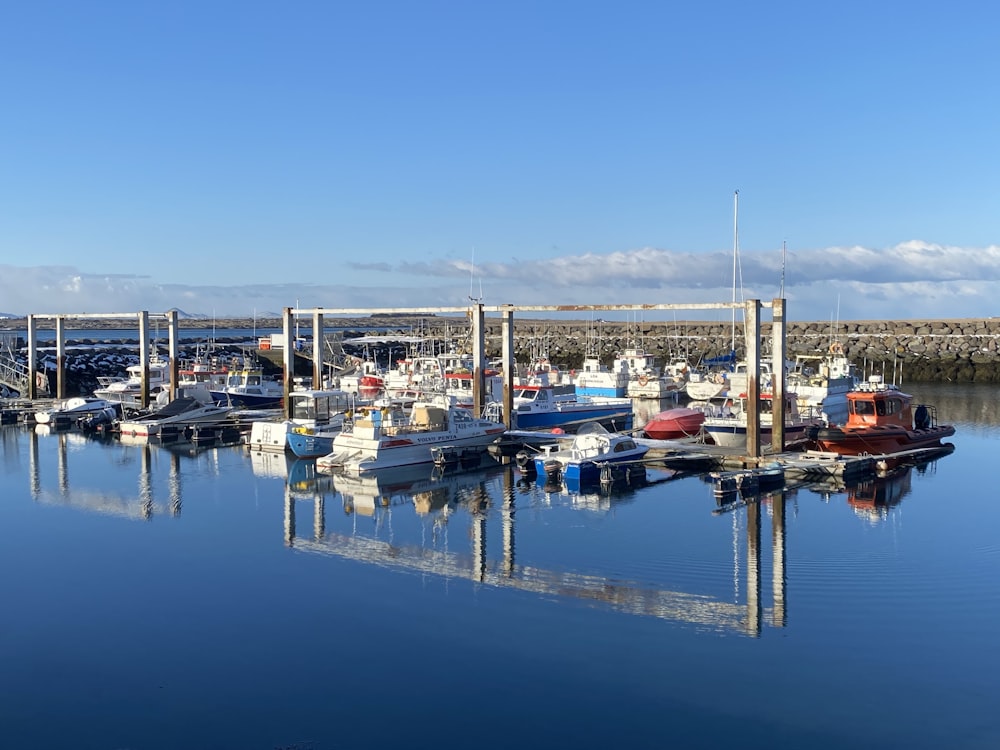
x,y
288,360
752,320
173,352
33,371
509,365
478,357
144,359
779,355
318,346
60,357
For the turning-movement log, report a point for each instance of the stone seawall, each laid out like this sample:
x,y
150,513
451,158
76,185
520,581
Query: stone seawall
x,y
963,350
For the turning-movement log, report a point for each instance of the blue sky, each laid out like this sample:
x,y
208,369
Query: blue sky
x,y
230,157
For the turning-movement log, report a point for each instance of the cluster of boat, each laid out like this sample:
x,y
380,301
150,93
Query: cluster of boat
x,y
373,424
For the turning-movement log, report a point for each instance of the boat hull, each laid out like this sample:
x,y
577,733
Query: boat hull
x,y
620,416
877,440
733,433
675,423
310,444
364,455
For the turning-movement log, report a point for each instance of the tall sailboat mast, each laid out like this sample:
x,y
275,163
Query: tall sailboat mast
x,y
736,254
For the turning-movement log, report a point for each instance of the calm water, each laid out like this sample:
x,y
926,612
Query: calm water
x,y
158,598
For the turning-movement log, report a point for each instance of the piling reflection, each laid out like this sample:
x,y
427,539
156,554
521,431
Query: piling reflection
x,y
478,499
82,483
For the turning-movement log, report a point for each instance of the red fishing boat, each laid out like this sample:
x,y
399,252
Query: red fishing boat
x,y
673,424
882,419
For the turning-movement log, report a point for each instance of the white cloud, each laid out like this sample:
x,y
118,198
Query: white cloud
x,y
910,280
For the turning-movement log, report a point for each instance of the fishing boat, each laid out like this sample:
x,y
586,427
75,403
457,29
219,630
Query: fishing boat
x,y
703,385
822,381
313,412
128,390
176,415
65,413
540,407
882,420
383,438
645,378
593,451
673,424
728,425
595,379
249,388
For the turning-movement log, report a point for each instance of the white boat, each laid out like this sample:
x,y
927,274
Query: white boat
x,y
594,379
645,379
248,387
544,407
177,414
822,382
727,426
704,385
387,438
128,390
594,450
72,409
314,412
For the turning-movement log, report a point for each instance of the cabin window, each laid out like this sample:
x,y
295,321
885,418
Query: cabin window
x,y
864,408
880,408
303,409
895,405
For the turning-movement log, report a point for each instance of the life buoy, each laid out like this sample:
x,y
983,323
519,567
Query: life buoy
x,y
40,381
718,378
572,373
643,380
836,348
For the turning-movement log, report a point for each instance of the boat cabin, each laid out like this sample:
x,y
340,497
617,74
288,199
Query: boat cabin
x,y
878,403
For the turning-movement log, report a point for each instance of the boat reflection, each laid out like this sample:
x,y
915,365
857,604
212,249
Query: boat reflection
x,y
593,496
378,528
875,498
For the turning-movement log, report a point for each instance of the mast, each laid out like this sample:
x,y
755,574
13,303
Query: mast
x,y
736,254
781,292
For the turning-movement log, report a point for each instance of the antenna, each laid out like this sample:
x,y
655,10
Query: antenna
x,y
472,275
781,291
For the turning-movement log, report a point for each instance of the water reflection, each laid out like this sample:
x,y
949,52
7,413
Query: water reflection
x,y
441,499
874,498
81,482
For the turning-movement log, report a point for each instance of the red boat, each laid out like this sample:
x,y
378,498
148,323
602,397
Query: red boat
x,y
880,420
675,423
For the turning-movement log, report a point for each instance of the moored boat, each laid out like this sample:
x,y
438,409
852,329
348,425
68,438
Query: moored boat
x,y
882,420
539,407
72,409
675,423
178,414
248,387
594,379
728,427
127,391
594,450
386,438
313,412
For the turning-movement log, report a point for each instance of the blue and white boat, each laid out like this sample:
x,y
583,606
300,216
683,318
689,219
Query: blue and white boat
x,y
593,450
594,379
248,387
313,442
315,412
543,407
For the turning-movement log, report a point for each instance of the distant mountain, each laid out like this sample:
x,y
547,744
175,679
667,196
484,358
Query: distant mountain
x,y
9,316
188,316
